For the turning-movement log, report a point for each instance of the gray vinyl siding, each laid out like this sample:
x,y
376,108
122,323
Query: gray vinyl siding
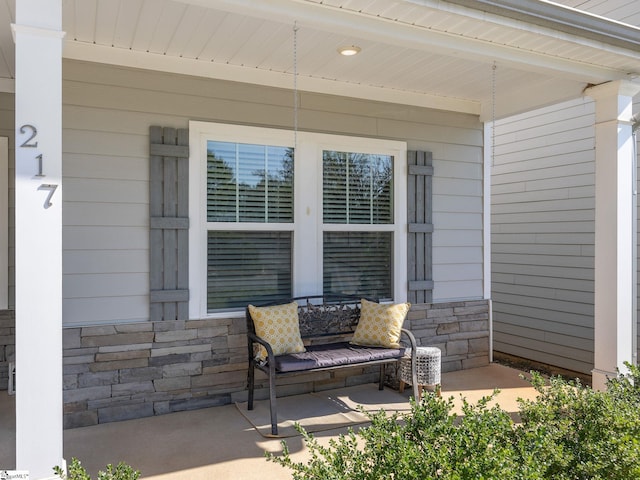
x,y
107,112
7,127
542,221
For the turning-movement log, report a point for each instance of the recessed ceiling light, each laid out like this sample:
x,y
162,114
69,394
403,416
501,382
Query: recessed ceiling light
x,y
349,51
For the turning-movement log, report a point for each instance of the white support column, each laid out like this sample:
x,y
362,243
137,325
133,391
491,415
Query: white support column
x,y
38,219
614,259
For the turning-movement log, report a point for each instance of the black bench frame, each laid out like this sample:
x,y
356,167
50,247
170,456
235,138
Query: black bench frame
x,y
323,319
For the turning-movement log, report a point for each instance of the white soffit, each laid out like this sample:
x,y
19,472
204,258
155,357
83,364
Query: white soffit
x,y
446,29
429,53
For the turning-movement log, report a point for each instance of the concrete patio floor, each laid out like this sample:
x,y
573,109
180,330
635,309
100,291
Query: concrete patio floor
x,y
218,442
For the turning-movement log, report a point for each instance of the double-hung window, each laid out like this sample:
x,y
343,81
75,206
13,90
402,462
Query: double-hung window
x,y
271,220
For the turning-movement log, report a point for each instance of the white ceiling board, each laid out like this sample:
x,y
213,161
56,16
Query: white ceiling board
x,y
201,33
171,17
279,55
145,26
184,30
106,16
125,27
264,40
83,28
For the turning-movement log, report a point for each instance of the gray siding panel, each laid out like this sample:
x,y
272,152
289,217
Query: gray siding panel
x,y
542,243
7,129
542,235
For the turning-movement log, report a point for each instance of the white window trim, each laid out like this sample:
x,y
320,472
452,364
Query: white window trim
x,y
308,226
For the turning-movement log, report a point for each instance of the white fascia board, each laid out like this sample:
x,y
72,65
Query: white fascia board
x,y
336,20
185,66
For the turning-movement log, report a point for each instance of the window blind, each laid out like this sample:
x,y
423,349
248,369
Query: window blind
x,y
357,188
244,267
358,263
249,183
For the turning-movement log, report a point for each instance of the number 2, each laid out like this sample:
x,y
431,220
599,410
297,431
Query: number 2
x,y
34,132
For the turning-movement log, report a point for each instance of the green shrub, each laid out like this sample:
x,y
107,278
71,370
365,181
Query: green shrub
x,y
568,432
77,472
595,434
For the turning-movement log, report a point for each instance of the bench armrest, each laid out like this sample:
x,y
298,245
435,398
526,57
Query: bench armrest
x,y
253,338
410,336
414,360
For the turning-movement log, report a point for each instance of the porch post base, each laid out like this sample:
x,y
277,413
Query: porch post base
x,y
599,378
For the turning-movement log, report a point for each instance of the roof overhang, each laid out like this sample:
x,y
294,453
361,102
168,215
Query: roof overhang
x,y
561,18
449,55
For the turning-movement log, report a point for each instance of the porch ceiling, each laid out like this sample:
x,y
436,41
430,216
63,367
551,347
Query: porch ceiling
x,y
432,53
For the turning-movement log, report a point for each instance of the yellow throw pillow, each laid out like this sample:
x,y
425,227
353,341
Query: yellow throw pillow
x,y
380,324
279,326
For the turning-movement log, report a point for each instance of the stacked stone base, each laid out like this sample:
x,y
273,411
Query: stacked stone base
x,y
459,329
121,372
7,345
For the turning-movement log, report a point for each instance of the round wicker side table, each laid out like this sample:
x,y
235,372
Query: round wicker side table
x,y
427,369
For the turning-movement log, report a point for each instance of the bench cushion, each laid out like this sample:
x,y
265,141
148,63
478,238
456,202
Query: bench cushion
x,y
334,355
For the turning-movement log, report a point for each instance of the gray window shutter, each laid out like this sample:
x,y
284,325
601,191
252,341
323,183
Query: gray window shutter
x,y
420,229
168,224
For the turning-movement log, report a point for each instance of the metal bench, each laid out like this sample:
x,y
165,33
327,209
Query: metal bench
x,y
326,325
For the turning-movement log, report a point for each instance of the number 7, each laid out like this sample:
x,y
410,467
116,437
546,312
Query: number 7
x,y
52,188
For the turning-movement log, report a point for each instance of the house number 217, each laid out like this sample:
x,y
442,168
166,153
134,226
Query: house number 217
x,y
31,133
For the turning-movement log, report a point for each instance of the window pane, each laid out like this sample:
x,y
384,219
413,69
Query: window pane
x,y
334,187
357,188
358,263
221,182
247,267
280,185
249,183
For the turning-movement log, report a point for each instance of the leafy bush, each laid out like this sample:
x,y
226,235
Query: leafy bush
x,y
568,432
595,434
77,472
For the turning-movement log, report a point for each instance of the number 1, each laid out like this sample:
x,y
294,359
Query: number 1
x,y
40,174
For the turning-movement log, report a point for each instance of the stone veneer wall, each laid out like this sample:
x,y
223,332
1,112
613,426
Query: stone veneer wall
x,y
7,345
119,372
459,329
